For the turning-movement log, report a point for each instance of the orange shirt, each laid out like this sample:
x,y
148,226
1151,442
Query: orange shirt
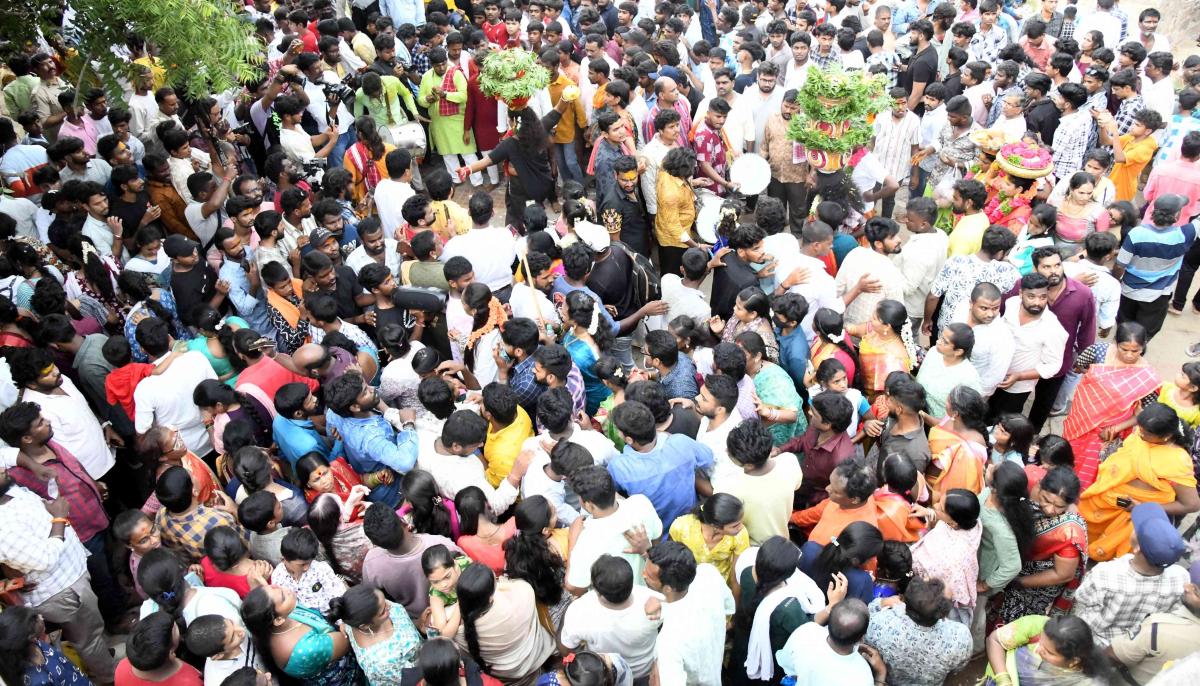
x,y
1138,154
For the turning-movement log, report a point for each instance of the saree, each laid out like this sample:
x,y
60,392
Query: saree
x,y
585,356
823,351
1024,665
735,327
775,388
893,512
1064,536
1106,395
880,357
312,660
961,462
1159,467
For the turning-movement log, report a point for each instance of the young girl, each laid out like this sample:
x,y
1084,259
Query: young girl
x,y
886,345
613,375
227,562
751,312
893,570
831,343
1008,529
1037,234
322,476
442,569
1183,394
831,376
424,509
585,668
714,532
894,500
950,551
1048,452
1011,439
689,338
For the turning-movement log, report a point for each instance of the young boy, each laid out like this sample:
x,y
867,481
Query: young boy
x,y
512,28
493,28
124,378
312,580
262,515
134,529
548,475
1132,151
508,428
1100,253
225,645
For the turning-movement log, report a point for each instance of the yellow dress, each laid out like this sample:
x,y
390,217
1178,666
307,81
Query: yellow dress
x,y
687,530
1187,415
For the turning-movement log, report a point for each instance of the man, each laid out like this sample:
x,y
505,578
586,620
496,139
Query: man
x,y
1094,269
1163,637
298,222
104,234
294,427
444,91
1041,114
825,55
295,141
167,110
1123,85
574,116
697,603
682,292
787,175
75,124
1038,353
38,543
874,263
162,194
666,137
994,342
797,70
183,522
391,193
44,96
246,291
990,38
375,436
491,250
676,373
1117,595
452,458
667,97
529,298
764,100
1149,263
621,208
805,275
615,616
1004,85
376,248
1158,88
75,163
716,403
393,563
192,280
969,198
203,212
1074,129
157,397
828,649
923,256
664,470
553,368
713,156
903,432
611,278
519,341
609,529
1038,43
923,69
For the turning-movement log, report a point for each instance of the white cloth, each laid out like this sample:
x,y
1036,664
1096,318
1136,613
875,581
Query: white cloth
x,y
24,212
389,198
205,227
453,473
759,660
739,123
683,300
692,640
522,300
919,263
606,536
626,631
932,123
491,252
993,351
160,403
76,427
808,656
1107,290
359,258
652,153
860,262
102,236
1039,344
715,439
821,289
297,144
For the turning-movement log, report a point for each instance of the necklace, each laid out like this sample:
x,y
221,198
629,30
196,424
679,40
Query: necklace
x,y
289,629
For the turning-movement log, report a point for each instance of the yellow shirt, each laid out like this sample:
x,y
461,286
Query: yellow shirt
x,y
686,530
447,212
502,447
1187,415
1125,174
573,118
967,236
676,210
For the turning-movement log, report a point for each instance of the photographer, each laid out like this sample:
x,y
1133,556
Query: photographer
x,y
294,140
325,93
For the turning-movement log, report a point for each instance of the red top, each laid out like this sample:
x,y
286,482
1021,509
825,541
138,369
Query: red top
x,y
264,378
14,340
120,383
187,675
496,33
486,553
238,583
344,478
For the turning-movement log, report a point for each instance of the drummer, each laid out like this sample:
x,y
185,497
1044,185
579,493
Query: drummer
x,y
386,99
713,150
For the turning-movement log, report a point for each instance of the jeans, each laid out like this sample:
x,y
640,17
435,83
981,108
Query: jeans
x,y
568,163
622,350
1063,401
339,149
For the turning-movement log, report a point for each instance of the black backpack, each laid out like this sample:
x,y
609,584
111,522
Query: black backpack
x,y
647,284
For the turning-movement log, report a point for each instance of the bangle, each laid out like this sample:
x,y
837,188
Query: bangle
x,y
61,520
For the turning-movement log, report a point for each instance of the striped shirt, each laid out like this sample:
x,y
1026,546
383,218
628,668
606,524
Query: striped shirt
x,y
1151,256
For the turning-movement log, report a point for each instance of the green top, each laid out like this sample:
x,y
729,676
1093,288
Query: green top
x,y
999,559
387,109
462,562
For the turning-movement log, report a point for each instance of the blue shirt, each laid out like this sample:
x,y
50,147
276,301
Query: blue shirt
x,y
372,443
680,382
528,390
1152,256
561,286
297,438
666,475
794,354
251,306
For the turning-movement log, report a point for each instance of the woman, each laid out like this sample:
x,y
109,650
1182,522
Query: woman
x,y
398,382
1153,465
424,510
751,312
149,256
1079,214
366,160
214,339
381,633
830,342
676,208
27,658
227,563
344,542
219,404
162,448
1089,42
1010,199
610,372
902,484
534,556
149,300
168,587
949,366
773,599
439,663
482,538
714,532
487,315
958,444
586,339
1044,651
917,638
319,476
847,553
851,498
97,280
885,345
950,551
255,471
13,327
1116,381
780,402
302,644
1050,574
1122,217
1008,527
500,628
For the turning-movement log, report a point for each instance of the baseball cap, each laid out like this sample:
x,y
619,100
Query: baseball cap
x,y
318,236
1171,202
672,72
178,245
593,235
1159,540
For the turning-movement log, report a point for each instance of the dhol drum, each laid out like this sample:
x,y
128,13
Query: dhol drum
x,y
409,136
708,215
752,171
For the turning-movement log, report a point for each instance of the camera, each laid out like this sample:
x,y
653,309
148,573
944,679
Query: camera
x,y
246,129
343,90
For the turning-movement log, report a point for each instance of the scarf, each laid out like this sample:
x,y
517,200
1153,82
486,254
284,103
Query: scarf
x,y
366,166
760,659
285,307
445,107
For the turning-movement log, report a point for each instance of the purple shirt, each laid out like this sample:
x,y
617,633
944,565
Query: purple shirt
x,y
1076,311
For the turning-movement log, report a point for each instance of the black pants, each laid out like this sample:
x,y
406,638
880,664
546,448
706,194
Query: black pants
x,y
1002,402
795,199
670,259
359,15
1187,271
1150,315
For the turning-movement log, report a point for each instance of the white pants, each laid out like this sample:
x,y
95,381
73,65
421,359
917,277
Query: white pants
x,y
493,171
452,165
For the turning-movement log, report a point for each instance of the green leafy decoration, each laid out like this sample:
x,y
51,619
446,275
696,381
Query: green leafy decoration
x,y
512,74
834,96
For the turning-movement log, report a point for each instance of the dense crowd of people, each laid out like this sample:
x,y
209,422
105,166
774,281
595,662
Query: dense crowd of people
x,y
287,400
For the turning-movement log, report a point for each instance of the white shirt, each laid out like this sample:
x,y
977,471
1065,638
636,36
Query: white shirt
x,y
821,290
919,262
160,403
796,75
160,264
389,198
869,172
683,300
606,536
715,439
894,141
1014,129
1106,290
993,351
858,263
453,473
931,124
761,106
23,211
808,656
653,153
102,237
692,640
205,227
521,300
1040,345
1160,97
491,252
739,123
359,258
76,427
625,631
297,144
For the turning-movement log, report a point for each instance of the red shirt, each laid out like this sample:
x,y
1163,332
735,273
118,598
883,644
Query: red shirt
x,y
496,33
120,383
187,675
263,379
237,583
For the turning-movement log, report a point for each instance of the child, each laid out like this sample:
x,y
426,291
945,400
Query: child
x,y
136,531
1183,394
1048,452
32,123
1133,151
512,28
831,376
1042,220
126,374
950,550
225,645
312,580
262,515
1011,439
894,569
690,335
587,667
442,570
613,376
548,474
1100,250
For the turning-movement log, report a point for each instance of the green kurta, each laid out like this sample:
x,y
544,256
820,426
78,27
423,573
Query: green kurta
x,y
446,132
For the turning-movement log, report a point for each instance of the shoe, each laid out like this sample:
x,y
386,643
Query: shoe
x,y
1193,350
1175,310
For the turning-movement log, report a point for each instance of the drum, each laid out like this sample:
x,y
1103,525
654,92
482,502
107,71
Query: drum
x,y
409,135
421,299
752,172
708,215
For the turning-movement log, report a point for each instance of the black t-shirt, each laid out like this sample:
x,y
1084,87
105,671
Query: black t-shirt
x,y
728,281
922,69
612,280
193,287
953,84
635,229
533,172
1043,117
345,290
131,213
